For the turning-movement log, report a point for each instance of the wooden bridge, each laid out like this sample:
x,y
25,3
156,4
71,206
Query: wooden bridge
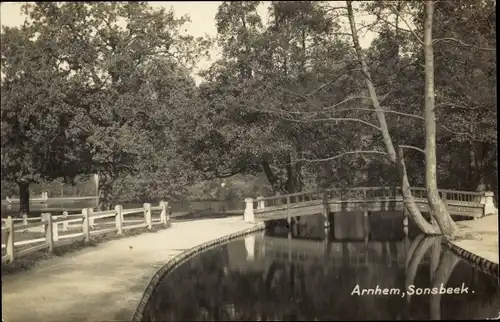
x,y
459,203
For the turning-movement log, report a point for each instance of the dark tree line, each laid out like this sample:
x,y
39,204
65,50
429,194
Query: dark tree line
x,y
107,88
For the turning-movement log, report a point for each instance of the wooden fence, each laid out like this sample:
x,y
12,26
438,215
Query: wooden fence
x,y
58,230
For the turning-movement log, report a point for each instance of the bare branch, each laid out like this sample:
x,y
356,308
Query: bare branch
x,y
341,155
345,101
412,148
457,133
384,111
420,40
450,39
329,119
452,105
325,85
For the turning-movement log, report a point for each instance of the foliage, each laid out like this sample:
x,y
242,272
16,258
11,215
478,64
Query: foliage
x,y
106,88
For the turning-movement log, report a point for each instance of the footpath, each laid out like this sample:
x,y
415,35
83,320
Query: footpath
x,y
484,237
106,282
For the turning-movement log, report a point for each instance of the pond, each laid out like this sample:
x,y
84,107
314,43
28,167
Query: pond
x,y
338,274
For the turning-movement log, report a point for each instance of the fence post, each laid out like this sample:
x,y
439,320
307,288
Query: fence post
x,y
49,231
55,231
261,203
43,226
25,222
118,219
65,224
147,215
85,225
163,214
91,219
10,239
248,215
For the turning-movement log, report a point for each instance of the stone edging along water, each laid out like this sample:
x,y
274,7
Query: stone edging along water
x,y
182,258
476,261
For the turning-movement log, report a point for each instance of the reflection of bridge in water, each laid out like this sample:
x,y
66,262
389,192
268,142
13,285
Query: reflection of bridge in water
x,y
354,240
261,251
336,253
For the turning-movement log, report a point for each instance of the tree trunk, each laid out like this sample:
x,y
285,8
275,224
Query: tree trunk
x,y
106,197
271,177
436,206
294,177
415,214
472,167
24,198
391,152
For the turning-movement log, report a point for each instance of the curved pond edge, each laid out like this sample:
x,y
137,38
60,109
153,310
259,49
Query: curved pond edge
x,y
183,257
482,264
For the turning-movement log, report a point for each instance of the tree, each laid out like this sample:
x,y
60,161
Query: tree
x,y
124,65
437,207
36,144
281,63
465,57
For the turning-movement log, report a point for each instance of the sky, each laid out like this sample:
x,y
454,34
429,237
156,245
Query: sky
x,y
202,14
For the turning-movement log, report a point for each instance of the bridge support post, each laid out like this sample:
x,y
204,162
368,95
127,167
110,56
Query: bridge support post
x,y
248,215
366,226
288,218
489,205
325,210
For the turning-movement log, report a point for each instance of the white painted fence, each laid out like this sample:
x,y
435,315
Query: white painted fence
x,y
84,224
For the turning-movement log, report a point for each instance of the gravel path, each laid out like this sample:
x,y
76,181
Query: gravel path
x,y
106,282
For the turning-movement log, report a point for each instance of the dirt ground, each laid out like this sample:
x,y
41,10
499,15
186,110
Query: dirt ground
x,y
483,239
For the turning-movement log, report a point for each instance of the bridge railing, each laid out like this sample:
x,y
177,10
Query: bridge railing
x,y
364,193
48,231
353,194
466,198
451,195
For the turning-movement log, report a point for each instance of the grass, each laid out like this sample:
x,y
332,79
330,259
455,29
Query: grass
x,y
65,247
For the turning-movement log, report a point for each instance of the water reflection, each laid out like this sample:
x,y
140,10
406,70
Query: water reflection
x,y
310,274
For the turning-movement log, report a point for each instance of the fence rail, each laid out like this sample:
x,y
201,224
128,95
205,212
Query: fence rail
x,y
87,224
